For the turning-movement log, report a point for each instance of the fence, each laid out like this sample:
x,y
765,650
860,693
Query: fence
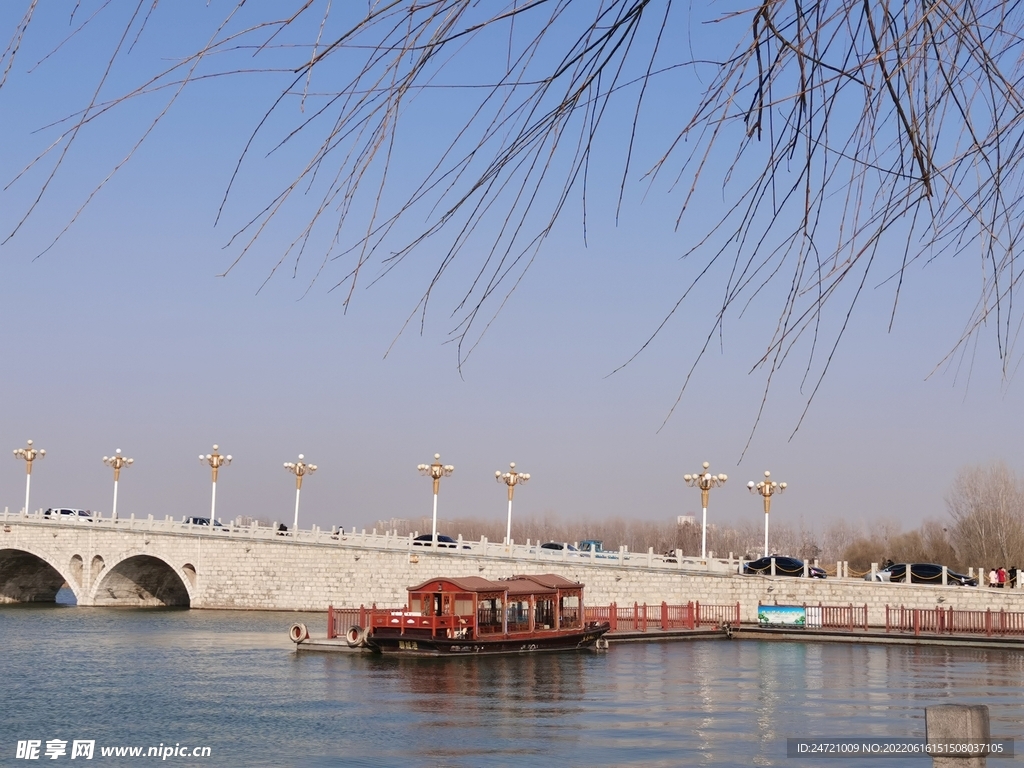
x,y
950,621
638,617
847,617
641,617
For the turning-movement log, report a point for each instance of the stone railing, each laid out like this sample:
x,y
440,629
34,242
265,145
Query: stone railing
x,y
387,541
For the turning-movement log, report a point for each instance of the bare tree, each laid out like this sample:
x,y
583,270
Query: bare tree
x,y
987,508
846,140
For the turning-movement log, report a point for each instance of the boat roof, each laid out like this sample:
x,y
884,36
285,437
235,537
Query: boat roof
x,y
527,584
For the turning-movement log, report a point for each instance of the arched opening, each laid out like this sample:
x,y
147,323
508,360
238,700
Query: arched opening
x,y
142,580
26,578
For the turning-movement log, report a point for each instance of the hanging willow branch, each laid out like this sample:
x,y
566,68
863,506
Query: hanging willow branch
x,y
847,139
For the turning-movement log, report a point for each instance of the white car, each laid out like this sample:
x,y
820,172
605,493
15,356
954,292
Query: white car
x,y
65,513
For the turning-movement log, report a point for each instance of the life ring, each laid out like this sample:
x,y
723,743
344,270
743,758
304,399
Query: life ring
x,y
298,633
355,636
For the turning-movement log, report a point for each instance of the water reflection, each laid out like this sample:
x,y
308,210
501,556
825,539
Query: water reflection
x,y
232,681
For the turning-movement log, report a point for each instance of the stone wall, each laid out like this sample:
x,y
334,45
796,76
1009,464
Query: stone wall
x,y
115,565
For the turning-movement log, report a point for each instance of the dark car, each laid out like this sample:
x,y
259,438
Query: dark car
x,y
784,566
426,540
557,545
921,573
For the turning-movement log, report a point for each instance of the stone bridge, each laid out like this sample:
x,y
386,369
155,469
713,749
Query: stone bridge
x,y
147,562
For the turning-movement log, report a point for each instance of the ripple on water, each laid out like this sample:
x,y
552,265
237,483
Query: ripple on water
x,y
232,681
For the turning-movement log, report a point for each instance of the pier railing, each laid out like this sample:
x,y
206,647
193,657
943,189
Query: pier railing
x,y
848,617
951,621
641,617
638,617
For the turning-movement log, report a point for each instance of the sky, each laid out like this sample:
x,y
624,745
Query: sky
x,y
127,333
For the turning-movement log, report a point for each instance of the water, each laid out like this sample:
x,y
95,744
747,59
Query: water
x,y
231,681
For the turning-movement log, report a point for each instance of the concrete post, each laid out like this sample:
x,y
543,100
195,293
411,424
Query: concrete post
x,y
957,724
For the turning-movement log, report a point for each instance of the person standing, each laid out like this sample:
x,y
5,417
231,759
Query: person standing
x,y
1001,576
993,578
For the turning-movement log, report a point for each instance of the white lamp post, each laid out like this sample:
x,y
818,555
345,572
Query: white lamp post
x,y
28,454
216,461
511,479
117,462
437,470
766,488
300,469
705,481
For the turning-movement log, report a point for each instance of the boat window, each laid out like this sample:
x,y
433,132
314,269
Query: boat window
x,y
569,612
488,616
544,613
519,616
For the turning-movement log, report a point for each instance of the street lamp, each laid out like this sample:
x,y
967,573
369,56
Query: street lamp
x,y
766,488
300,469
705,481
437,470
511,479
216,461
29,454
117,462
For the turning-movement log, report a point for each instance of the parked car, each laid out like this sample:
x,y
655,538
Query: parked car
x,y
426,540
921,573
559,546
784,566
63,513
203,521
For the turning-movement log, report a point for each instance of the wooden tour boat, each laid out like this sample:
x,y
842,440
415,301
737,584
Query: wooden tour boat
x,y
474,616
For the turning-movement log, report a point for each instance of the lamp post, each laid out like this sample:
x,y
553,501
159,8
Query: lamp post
x,y
436,471
28,454
216,461
300,469
705,481
117,462
766,488
511,479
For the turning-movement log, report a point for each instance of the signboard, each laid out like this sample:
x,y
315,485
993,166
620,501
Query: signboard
x,y
781,616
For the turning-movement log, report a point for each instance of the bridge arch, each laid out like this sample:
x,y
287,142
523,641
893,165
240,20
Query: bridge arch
x,y
141,580
26,577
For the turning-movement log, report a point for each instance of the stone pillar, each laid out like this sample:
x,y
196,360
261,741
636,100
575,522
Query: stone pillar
x,y
957,724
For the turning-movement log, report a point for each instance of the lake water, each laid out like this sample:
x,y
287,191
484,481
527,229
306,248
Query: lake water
x,y
232,682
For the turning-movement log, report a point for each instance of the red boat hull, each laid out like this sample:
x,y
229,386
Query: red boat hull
x,y
415,643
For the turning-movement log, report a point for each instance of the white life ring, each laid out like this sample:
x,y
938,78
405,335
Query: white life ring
x,y
355,636
298,633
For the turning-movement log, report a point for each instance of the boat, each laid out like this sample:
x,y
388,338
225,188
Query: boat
x,y
473,616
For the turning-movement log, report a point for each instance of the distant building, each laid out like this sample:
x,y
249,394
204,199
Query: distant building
x,y
686,520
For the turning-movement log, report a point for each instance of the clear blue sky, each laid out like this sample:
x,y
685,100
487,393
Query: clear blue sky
x,y
124,336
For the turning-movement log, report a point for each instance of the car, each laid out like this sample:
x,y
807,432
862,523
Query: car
x,y
425,540
921,573
784,566
63,513
559,546
203,521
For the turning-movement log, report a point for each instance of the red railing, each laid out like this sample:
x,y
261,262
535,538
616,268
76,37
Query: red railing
x,y
847,617
937,621
340,619
642,617
719,615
